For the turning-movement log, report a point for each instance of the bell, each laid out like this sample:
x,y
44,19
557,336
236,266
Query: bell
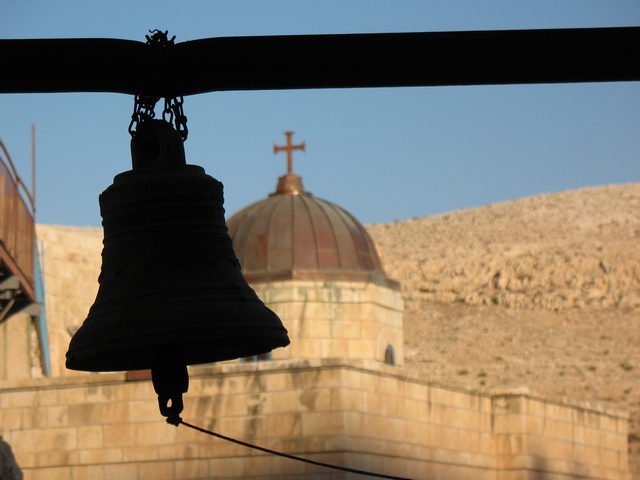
x,y
171,290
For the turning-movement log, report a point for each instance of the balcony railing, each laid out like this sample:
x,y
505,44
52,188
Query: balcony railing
x,y
17,225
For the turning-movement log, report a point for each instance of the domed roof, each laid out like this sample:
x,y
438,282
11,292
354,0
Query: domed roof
x,y
294,235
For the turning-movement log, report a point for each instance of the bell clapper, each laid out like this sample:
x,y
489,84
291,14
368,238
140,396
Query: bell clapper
x,y
170,380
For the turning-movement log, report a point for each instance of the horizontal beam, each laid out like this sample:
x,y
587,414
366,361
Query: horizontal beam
x,y
321,61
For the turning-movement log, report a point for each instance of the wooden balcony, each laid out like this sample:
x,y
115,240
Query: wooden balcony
x,y
17,237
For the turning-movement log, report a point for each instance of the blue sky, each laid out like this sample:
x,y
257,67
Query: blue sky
x,y
383,154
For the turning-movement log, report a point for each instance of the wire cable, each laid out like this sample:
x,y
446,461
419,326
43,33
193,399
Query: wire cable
x,y
286,455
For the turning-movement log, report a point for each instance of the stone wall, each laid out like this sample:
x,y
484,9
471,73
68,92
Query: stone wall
x,y
72,264
19,348
336,319
357,414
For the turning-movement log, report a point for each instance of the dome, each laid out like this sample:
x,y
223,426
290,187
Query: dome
x,y
294,235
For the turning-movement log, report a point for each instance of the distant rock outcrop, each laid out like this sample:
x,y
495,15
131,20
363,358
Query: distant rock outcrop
x,y
578,249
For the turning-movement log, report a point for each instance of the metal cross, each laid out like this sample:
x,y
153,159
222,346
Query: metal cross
x,y
289,148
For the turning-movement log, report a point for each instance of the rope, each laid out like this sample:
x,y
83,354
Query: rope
x,y
291,457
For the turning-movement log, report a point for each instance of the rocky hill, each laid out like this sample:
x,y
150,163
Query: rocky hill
x,y
542,291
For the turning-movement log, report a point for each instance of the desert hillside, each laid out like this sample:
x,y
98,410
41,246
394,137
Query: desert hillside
x,y
542,292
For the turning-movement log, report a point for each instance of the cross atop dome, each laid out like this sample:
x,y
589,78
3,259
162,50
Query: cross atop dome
x,y
290,183
289,148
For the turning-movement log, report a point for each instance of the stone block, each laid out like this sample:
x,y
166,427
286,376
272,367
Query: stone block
x,y
243,428
552,410
99,456
315,400
608,458
565,431
278,381
60,458
91,436
191,469
441,413
343,328
353,379
104,393
140,454
487,443
468,400
52,473
349,324
516,462
207,385
392,405
42,440
18,399
416,391
249,382
34,417
47,397
355,423
119,435
334,348
11,419
26,459
415,433
324,423
93,472
220,449
377,426
306,348
118,472
622,426
317,328
131,391
240,404
608,423
371,383
150,434
424,413
508,444
284,425
410,409
370,328
346,399
282,402
157,470
551,428
98,413
147,410
328,377
227,467
534,425
56,416
536,407
259,465
283,466
358,348
594,436
509,423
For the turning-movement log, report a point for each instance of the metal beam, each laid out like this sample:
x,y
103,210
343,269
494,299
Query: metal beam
x,y
321,61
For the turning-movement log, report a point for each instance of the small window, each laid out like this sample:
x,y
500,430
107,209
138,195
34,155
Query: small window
x,y
390,356
256,358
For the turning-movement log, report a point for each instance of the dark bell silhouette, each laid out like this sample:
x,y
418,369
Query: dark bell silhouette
x,y
171,290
